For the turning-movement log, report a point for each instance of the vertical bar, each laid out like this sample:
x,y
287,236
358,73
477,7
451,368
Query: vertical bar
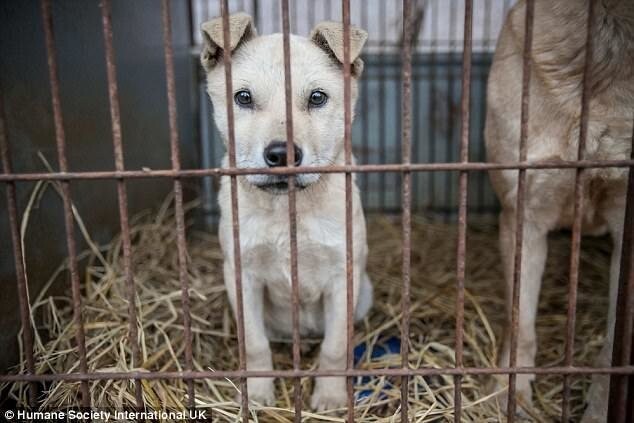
x,y
577,216
178,190
347,143
18,255
115,115
462,201
292,208
432,101
521,196
60,139
235,218
622,386
406,126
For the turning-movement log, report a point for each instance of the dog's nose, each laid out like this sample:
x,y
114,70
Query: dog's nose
x,y
275,154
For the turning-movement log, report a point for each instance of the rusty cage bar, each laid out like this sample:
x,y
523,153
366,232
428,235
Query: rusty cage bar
x,y
621,371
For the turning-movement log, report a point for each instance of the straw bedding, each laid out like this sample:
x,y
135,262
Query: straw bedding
x,y
105,311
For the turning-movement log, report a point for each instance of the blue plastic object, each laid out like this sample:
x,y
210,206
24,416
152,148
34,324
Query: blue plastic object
x,y
391,345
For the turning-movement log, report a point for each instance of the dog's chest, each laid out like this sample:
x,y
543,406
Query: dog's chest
x,y
266,253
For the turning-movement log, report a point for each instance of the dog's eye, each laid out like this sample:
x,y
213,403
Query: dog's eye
x,y
243,98
317,98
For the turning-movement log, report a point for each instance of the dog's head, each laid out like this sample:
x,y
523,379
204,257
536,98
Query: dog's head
x,y
258,95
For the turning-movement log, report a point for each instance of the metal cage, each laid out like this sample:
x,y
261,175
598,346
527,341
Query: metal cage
x,y
621,370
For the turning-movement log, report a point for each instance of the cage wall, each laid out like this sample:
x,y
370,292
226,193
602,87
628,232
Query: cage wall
x,y
437,76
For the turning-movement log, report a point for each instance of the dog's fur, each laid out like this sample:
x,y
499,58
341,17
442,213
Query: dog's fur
x,y
557,61
258,64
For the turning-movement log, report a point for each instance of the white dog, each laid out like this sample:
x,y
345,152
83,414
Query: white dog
x,y
558,58
260,134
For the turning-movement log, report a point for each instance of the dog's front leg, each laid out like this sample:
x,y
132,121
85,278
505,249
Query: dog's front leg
x,y
258,351
330,392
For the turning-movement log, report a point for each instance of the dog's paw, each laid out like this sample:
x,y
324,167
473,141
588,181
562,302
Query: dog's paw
x,y
329,394
324,401
261,391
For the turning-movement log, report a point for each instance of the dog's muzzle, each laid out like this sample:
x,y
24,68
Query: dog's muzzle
x,y
276,155
278,184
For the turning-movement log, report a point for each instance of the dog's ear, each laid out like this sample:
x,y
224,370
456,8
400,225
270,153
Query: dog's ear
x,y
329,37
241,29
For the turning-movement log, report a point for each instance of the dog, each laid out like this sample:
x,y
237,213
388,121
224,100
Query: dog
x,y
260,139
557,62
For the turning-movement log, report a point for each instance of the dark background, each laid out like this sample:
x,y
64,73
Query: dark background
x,y
24,84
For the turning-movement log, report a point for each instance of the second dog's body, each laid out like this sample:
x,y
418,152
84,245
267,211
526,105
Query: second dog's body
x,y
557,68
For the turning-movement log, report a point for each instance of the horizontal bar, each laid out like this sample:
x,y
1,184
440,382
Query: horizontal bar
x,y
368,168
223,374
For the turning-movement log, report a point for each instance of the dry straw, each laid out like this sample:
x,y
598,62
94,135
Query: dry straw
x,y
214,339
